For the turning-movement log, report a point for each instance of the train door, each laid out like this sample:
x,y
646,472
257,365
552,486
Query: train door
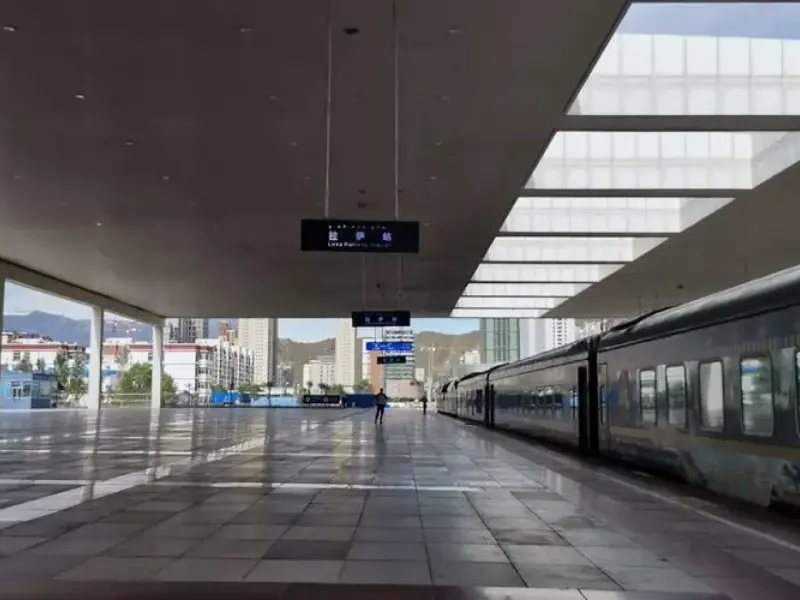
x,y
603,396
488,415
588,410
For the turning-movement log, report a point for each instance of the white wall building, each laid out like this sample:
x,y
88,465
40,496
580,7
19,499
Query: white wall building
x,y
345,353
230,363
471,357
261,336
366,360
319,371
541,335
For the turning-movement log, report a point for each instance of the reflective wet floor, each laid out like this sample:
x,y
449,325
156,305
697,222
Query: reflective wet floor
x,y
322,503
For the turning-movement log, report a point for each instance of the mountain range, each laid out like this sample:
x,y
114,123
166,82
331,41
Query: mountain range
x,y
448,348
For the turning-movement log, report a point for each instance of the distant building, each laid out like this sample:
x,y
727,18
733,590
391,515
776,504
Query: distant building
x,y
261,336
471,357
345,353
319,371
404,371
185,330
500,340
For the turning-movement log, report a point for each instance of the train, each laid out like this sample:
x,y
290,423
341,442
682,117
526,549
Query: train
x,y
707,391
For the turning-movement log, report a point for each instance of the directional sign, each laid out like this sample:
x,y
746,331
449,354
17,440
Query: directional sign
x,y
394,318
392,359
398,347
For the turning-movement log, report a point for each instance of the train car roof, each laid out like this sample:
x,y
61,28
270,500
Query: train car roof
x,y
773,292
477,374
569,351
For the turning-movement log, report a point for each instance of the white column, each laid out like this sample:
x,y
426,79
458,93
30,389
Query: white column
x,y
2,305
95,360
158,367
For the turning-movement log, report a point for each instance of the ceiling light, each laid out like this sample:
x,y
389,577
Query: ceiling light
x,y
273,96
80,96
98,224
437,143
9,28
444,98
245,30
454,31
433,178
129,142
165,177
293,144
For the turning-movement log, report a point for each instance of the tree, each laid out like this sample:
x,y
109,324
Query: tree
x,y
336,389
41,366
24,365
251,389
215,387
324,388
76,382
61,368
363,387
269,386
138,379
310,386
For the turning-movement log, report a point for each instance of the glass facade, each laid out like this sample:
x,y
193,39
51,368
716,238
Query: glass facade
x,y
500,340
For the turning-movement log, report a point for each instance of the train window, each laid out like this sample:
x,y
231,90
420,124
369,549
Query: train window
x,y
676,395
712,413
647,395
602,393
757,411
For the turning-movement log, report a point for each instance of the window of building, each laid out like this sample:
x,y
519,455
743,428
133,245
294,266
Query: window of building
x,y
676,395
712,394
757,409
647,395
16,356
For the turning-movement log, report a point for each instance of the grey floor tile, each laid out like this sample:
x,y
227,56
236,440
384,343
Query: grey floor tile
x,y
12,544
597,537
250,532
561,576
110,568
446,522
466,553
207,569
622,557
308,550
459,536
475,574
525,537
80,547
386,572
408,551
656,580
150,546
297,571
193,532
413,522
328,520
524,524
221,548
400,534
545,555
330,534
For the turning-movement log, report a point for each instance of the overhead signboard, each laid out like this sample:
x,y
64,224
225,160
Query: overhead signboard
x,y
395,318
398,347
392,359
388,237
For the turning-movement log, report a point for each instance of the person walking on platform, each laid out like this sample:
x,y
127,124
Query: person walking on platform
x,y
424,401
380,405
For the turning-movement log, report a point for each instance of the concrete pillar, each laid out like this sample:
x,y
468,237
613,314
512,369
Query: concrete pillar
x,y
156,400
95,360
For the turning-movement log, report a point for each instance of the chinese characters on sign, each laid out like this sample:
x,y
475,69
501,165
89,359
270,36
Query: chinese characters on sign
x,y
398,237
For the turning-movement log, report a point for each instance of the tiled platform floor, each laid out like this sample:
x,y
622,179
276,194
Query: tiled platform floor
x,y
289,497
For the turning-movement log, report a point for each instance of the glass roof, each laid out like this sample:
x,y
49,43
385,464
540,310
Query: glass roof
x,y
478,313
507,302
547,290
555,273
658,160
572,249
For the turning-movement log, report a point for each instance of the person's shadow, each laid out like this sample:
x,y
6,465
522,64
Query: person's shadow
x,y
380,442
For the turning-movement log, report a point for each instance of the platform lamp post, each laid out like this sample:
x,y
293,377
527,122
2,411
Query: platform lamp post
x,y
430,350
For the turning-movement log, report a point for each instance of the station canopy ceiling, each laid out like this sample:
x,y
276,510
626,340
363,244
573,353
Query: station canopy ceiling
x,y
672,175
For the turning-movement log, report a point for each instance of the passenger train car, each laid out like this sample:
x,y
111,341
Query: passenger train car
x,y
708,391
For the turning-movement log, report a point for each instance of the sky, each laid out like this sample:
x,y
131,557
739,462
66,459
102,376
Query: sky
x,y
21,300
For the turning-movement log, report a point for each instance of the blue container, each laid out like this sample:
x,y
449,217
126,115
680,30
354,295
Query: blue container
x,y
24,391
